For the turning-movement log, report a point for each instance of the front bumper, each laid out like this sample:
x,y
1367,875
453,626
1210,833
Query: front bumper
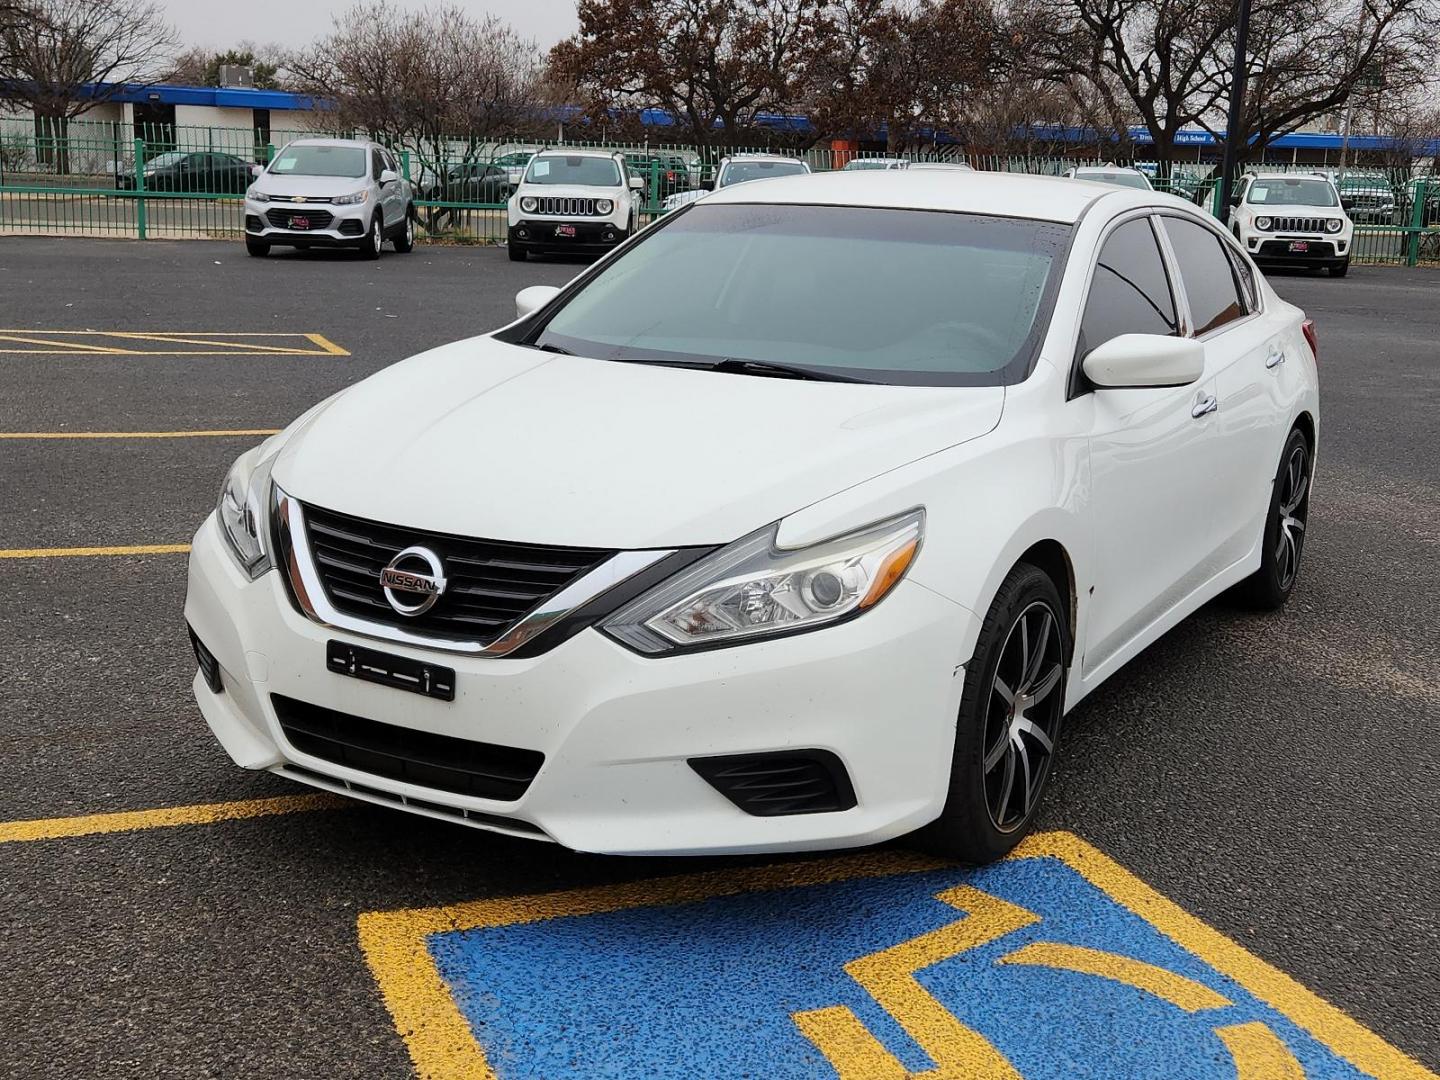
x,y
1270,248
617,730
326,223
542,235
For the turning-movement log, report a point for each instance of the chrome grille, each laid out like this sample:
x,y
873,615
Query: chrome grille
x,y
560,207
1298,224
490,584
301,198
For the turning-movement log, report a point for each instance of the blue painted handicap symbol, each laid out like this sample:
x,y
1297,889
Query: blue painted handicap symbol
x,y
1037,967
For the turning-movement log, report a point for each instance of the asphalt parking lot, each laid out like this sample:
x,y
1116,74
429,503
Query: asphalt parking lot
x,y
1272,777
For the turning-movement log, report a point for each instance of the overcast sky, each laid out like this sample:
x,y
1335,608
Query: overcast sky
x,y
219,24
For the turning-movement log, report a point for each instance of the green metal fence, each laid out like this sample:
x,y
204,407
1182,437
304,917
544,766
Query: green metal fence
x,y
108,179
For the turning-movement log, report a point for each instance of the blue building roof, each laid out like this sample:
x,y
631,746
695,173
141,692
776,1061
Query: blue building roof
x,y
219,97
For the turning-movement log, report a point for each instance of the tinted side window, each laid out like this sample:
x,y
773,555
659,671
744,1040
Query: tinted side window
x,y
376,165
1249,291
1206,271
1129,293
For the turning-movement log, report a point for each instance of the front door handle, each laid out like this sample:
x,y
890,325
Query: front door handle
x,y
1204,405
1275,359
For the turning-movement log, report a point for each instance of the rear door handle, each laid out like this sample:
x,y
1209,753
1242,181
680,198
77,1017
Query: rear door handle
x,y
1275,359
1204,405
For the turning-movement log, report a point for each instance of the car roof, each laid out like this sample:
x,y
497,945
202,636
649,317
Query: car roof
x,y
318,140
764,157
1289,176
562,151
1108,168
1043,198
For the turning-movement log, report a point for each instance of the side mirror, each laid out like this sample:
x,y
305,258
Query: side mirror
x,y
388,176
1233,201
1347,204
708,184
637,184
528,301
1136,361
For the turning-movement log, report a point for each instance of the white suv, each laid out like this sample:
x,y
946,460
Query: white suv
x,y
740,169
1291,220
330,193
582,201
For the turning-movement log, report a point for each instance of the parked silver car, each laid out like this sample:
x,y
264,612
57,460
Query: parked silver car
x,y
330,193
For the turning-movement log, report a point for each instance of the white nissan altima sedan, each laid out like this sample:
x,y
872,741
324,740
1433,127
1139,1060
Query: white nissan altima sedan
x,y
799,521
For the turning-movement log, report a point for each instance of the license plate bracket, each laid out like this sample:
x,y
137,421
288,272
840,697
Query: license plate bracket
x,y
565,230
387,669
1300,247
299,222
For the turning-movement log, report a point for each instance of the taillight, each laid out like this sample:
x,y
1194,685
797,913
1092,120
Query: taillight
x,y
1308,329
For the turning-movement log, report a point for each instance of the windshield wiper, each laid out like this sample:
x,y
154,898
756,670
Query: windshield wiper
x,y
547,347
779,371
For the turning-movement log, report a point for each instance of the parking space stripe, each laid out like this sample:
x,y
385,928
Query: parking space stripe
x,y
1179,991
124,343
73,552
165,817
216,434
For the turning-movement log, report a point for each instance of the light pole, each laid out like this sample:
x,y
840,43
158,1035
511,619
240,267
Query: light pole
x,y
1238,75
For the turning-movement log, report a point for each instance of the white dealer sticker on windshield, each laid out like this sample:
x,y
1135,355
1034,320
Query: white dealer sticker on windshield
x,y
542,168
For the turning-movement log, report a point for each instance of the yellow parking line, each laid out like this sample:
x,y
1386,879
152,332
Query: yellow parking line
x,y
175,339
202,342
54,553
78,347
216,434
328,345
133,820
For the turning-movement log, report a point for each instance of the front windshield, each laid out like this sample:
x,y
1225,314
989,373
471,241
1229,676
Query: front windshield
x,y
1292,191
1118,177
866,163
573,169
737,172
347,161
887,296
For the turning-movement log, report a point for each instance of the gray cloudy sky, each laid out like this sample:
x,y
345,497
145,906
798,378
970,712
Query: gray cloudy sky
x,y
293,23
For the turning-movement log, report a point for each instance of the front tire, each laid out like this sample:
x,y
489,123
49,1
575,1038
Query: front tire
x,y
1009,722
1340,269
405,238
258,248
1283,541
374,240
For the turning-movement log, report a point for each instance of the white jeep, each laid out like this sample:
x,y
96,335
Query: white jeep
x,y
581,201
1288,219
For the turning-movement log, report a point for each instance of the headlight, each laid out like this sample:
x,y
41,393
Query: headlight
x,y
1262,223
242,513
750,589
603,206
257,196
354,197
528,204
1334,224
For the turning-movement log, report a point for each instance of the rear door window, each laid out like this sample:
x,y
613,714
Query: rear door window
x,y
1207,273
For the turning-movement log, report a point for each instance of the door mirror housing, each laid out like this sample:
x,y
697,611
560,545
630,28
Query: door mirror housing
x,y
1137,361
637,184
708,184
528,301
388,176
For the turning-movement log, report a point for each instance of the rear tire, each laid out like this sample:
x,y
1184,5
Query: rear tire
x,y
1008,727
258,248
405,238
1283,541
517,253
374,240
1340,269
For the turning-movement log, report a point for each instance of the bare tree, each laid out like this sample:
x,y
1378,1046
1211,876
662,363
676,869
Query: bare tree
x,y
909,67
1167,62
714,65
199,66
63,57
419,79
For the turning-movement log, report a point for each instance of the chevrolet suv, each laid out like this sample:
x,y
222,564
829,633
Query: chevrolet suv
x,y
573,201
330,193
1289,220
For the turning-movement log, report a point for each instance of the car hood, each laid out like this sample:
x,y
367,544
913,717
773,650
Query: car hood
x,y
279,184
482,438
571,191
1294,210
